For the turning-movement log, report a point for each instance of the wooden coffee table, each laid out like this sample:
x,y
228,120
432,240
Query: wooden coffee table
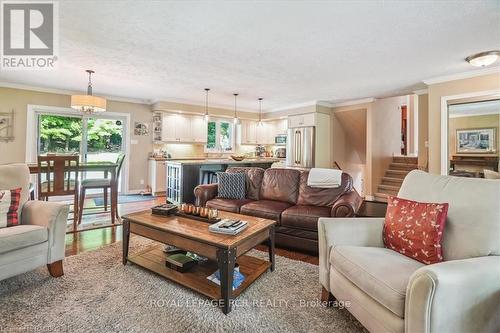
x,y
191,235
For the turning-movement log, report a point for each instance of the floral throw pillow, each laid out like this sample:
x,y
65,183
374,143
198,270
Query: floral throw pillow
x,y
9,204
415,229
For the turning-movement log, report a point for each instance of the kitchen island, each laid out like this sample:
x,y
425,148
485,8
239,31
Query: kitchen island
x,y
184,175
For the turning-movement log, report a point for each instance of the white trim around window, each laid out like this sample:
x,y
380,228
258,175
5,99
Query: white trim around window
x,y
32,140
217,148
445,102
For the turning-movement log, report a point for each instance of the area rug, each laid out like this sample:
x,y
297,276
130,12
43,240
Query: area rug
x,y
99,294
99,201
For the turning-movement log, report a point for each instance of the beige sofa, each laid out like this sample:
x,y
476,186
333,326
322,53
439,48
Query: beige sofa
x,y
389,292
39,239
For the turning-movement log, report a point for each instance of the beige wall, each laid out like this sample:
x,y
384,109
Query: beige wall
x,y
18,99
484,121
349,143
385,137
423,130
451,88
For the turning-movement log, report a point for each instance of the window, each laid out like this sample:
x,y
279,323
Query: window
x,y
220,136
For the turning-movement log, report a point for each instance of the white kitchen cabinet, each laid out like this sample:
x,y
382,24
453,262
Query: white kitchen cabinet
x,y
168,127
248,130
281,126
157,177
198,129
183,128
266,133
302,120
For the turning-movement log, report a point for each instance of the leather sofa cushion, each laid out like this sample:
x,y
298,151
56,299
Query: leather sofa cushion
x,y
267,209
280,185
21,236
228,205
381,273
300,233
310,196
253,180
304,217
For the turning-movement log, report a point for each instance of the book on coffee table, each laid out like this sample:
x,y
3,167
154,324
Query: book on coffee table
x,y
228,227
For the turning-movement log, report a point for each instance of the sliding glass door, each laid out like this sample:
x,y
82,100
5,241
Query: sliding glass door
x,y
95,138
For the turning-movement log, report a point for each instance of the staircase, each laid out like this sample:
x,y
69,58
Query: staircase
x,y
393,178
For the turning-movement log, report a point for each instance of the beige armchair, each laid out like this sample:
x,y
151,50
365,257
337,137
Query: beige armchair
x,y
389,292
39,239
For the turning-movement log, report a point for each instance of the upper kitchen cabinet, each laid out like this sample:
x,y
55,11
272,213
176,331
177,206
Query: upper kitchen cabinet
x,y
281,127
199,129
183,128
266,133
252,134
248,132
302,120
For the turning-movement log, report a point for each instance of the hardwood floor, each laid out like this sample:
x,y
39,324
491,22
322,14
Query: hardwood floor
x,y
89,240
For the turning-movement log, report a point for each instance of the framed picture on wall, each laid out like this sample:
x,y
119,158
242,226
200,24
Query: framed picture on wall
x,y
476,140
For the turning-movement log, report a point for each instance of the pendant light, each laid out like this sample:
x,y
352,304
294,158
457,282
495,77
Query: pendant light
x,y
235,120
88,104
260,112
206,116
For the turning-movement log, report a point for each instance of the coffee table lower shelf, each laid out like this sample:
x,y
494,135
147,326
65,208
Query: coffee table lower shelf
x,y
153,259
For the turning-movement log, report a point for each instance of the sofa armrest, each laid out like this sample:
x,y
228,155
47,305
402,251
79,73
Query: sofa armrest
x,y
204,193
53,216
455,296
347,205
345,231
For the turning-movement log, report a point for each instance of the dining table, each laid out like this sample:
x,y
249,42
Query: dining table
x,y
109,168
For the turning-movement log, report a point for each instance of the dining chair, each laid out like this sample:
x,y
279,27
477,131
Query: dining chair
x,y
61,178
101,183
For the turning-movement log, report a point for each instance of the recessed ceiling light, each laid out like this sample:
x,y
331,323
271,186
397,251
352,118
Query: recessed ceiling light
x,y
483,59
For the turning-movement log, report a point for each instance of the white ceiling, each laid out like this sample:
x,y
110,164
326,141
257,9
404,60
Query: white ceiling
x,y
287,52
474,109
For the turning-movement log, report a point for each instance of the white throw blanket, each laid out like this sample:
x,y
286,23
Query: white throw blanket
x,y
324,178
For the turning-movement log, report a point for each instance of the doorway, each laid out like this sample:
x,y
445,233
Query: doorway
x,y
100,137
95,138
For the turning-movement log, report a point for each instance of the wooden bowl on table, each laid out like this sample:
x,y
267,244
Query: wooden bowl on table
x,y
238,158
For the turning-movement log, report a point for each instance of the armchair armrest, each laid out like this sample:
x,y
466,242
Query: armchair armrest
x,y
204,193
345,231
53,216
455,296
347,205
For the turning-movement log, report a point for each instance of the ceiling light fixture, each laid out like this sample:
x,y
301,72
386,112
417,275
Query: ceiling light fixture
x,y
260,112
88,104
483,59
235,120
206,116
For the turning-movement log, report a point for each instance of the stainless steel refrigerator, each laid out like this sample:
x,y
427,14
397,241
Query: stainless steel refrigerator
x,y
300,147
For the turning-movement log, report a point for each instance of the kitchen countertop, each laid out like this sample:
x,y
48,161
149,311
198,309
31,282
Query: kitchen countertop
x,y
214,161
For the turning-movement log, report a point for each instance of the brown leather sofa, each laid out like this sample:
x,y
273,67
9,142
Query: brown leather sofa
x,y
283,195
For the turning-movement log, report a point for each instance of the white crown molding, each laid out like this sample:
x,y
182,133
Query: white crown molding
x,y
5,84
464,75
302,105
354,102
421,92
294,106
156,102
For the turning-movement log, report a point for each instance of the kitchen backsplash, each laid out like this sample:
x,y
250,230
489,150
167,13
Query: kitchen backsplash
x,y
186,150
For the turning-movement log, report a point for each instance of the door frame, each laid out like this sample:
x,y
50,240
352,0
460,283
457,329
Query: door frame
x,y
445,102
32,130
